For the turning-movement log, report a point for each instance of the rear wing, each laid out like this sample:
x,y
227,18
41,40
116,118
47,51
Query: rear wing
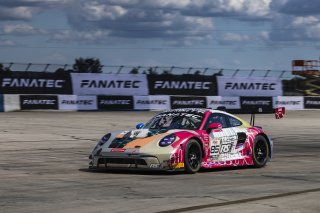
x,y
278,112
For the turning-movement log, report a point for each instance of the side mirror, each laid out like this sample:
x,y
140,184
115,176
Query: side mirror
x,y
214,126
139,126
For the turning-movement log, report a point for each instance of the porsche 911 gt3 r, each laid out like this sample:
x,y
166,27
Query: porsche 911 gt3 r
x,y
185,139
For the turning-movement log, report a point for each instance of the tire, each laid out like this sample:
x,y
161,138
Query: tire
x,y
192,156
260,153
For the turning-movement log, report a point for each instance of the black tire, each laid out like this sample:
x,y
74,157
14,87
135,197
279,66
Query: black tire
x,y
260,152
192,156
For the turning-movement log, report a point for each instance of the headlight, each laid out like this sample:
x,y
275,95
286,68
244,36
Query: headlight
x,y
104,139
168,140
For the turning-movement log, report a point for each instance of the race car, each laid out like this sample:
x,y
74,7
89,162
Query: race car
x,y
185,139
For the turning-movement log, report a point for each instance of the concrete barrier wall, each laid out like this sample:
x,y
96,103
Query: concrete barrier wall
x,y
152,102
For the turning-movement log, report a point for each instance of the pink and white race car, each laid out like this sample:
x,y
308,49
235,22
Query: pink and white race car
x,y
185,139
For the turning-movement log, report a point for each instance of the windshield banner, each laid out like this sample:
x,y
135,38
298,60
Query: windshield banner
x,y
228,102
74,102
253,86
289,102
152,102
109,84
182,85
115,102
188,102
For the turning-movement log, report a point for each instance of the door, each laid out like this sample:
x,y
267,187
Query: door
x,y
222,141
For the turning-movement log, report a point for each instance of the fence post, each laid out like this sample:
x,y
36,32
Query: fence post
x,y
46,68
282,73
235,73
28,66
251,73
119,70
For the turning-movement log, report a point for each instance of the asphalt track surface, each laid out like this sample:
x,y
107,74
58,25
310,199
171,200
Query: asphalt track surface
x,y
44,158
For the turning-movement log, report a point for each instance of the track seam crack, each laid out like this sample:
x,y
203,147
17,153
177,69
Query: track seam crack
x,y
194,208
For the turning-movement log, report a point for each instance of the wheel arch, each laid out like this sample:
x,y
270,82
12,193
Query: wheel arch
x,y
200,143
269,143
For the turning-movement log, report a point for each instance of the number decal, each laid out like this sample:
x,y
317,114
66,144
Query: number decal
x,y
215,149
225,148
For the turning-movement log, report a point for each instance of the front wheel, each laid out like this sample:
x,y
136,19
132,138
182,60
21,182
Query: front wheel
x,y
260,154
192,156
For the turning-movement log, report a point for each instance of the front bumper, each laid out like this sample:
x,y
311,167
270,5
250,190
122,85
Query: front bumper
x,y
137,162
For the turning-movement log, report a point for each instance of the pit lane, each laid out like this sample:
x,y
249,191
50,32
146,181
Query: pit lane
x,y
44,158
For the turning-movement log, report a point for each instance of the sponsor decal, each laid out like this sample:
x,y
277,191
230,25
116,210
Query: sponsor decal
x,y
248,104
256,86
35,83
227,102
181,85
312,102
74,102
38,102
153,102
115,102
154,165
118,150
109,84
289,102
188,102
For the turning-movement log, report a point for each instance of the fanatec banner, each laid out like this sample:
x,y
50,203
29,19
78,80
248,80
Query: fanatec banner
x,y
188,102
182,85
240,86
250,104
28,102
152,102
312,102
228,102
289,102
35,83
109,84
115,102
74,102
1,103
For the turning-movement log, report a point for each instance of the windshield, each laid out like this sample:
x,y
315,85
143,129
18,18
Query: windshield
x,y
175,120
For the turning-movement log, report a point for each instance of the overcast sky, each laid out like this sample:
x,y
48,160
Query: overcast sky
x,y
244,34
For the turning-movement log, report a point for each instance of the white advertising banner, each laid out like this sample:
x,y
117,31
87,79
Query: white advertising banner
x,y
74,102
109,84
153,102
228,102
253,86
289,102
11,103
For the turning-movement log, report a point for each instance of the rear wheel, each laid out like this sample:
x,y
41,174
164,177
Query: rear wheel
x,y
192,156
260,154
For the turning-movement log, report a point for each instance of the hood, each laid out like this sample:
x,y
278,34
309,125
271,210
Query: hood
x,y
137,138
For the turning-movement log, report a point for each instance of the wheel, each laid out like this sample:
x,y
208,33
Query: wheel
x,y
192,156
260,154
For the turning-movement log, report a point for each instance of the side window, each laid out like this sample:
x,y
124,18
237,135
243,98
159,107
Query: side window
x,y
217,118
234,122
